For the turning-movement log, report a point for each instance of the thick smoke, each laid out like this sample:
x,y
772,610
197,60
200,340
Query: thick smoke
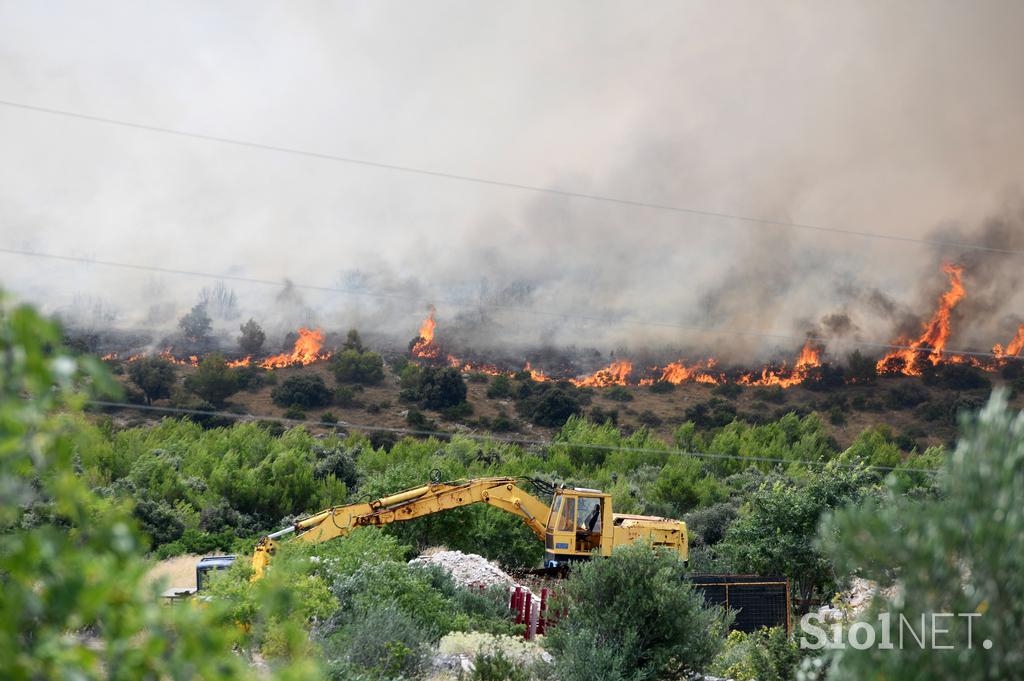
x,y
866,117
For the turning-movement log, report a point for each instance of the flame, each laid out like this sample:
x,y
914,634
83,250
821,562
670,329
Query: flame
x,y
616,373
425,346
244,362
192,360
678,372
306,351
536,374
1013,349
934,335
809,358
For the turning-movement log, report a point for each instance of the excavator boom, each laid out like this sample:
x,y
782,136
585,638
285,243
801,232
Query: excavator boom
x,y
410,504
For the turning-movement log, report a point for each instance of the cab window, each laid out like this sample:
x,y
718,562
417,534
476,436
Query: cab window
x,y
590,514
567,518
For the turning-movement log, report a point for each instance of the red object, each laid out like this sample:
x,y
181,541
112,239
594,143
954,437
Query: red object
x,y
528,615
517,597
541,620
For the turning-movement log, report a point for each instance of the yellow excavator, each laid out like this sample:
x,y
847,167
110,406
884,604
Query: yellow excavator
x,y
578,522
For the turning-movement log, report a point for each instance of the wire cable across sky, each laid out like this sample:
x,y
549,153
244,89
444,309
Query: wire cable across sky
x,y
537,189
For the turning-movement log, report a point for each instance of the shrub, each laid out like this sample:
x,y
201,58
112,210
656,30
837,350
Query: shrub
x,y
707,526
155,376
824,377
478,377
860,369
713,413
301,390
384,642
499,388
214,381
619,393
961,377
633,615
440,388
550,404
949,556
353,341
328,417
599,415
352,366
729,390
252,378
345,396
250,342
774,394
906,396
836,416
764,655
295,412
649,418
662,387
195,325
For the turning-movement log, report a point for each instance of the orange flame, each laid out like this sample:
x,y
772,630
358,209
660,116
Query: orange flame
x,y
192,360
934,335
306,351
1013,349
678,372
244,362
536,374
425,346
616,373
809,358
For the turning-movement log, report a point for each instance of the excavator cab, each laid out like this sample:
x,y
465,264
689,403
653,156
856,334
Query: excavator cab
x,y
578,524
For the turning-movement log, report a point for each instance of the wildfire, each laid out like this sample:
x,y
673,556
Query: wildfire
x,y
425,346
536,374
809,358
244,362
192,360
934,335
306,351
678,372
616,373
1013,349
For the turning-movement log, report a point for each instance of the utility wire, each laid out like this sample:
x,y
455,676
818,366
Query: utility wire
x,y
490,438
554,191
601,319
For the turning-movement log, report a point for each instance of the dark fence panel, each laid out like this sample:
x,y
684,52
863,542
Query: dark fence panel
x,y
758,601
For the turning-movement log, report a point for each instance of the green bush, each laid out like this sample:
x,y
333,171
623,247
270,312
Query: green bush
x,y
662,387
906,396
302,390
214,381
729,390
500,387
633,615
250,342
765,655
353,366
549,404
155,376
619,393
959,552
440,388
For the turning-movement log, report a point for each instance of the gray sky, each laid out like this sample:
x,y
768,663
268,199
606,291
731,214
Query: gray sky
x,y
901,118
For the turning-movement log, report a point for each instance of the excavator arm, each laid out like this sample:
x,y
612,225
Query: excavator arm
x,y
413,503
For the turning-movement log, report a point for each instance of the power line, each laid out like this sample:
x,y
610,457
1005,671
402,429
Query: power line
x,y
553,191
606,319
490,438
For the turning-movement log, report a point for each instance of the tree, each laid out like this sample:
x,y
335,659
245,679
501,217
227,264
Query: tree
x,y
79,572
251,340
440,388
960,553
154,376
303,390
776,534
214,380
196,323
353,341
634,616
353,366
860,368
550,404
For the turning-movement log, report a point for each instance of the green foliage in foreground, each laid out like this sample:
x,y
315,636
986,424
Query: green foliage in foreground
x,y
963,554
74,604
633,616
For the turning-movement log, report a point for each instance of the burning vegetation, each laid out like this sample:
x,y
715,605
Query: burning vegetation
x,y
912,355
